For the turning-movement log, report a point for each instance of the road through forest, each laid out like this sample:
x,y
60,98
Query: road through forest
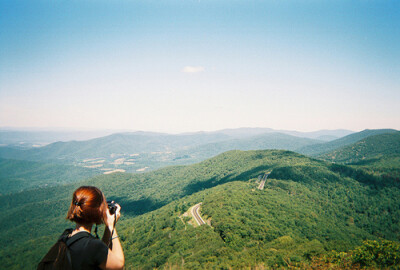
x,y
262,183
196,215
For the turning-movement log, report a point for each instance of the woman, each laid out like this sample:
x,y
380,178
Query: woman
x,y
89,207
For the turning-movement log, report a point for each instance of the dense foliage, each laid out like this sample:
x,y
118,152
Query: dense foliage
x,y
307,208
19,175
289,222
322,148
372,254
368,149
379,253
377,155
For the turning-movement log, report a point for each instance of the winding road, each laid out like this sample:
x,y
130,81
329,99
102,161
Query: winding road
x,y
262,183
196,215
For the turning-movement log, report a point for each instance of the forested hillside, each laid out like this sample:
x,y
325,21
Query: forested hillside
x,y
366,150
307,208
319,149
143,151
121,143
18,175
287,222
260,142
377,155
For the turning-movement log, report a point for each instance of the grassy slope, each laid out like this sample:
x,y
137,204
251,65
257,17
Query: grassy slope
x,y
306,203
318,149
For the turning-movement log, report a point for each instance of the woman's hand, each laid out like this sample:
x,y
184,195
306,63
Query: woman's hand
x,y
111,220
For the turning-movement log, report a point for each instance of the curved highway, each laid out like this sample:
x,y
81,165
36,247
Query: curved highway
x,y
196,215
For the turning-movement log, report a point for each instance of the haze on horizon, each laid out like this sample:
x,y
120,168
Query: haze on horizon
x,y
185,66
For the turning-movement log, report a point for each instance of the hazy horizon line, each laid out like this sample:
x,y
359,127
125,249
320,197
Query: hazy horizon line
x,y
119,130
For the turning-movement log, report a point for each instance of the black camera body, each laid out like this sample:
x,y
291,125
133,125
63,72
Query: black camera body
x,y
112,207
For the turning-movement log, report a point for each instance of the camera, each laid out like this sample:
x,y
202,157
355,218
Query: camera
x,y
112,207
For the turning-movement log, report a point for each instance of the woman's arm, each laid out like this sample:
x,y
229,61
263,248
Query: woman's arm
x,y
107,237
115,258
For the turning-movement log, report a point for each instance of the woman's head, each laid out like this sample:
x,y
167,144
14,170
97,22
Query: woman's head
x,y
88,206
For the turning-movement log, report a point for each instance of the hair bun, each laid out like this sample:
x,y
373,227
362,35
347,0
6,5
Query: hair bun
x,y
95,210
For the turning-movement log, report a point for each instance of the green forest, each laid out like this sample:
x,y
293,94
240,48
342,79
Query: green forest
x,y
19,175
312,213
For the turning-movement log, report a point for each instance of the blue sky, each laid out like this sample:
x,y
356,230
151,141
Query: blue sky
x,y
178,66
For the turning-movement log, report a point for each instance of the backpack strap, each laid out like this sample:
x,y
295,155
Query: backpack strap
x,y
65,234
71,240
64,238
48,261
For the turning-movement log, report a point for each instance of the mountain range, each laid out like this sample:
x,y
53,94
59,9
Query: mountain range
x,y
152,150
147,151
26,138
318,149
345,193
143,151
366,149
307,208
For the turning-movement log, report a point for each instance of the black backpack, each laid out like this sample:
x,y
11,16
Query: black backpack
x,y
59,257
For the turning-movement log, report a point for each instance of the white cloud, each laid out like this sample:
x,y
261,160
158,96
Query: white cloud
x,y
191,69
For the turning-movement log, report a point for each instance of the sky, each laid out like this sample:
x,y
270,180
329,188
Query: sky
x,y
184,66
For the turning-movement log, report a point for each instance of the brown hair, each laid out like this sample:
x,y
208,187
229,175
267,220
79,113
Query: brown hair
x,y
88,206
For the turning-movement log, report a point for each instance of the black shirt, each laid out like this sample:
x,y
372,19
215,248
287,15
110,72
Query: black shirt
x,y
87,252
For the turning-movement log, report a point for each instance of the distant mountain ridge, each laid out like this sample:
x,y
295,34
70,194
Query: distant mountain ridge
x,y
372,147
322,148
37,138
126,143
138,141
25,138
249,132
273,140
139,151
134,151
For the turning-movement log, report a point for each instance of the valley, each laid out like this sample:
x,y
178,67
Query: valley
x,y
264,207
144,151
254,135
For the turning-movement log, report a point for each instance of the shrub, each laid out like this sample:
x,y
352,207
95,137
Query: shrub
x,y
380,253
